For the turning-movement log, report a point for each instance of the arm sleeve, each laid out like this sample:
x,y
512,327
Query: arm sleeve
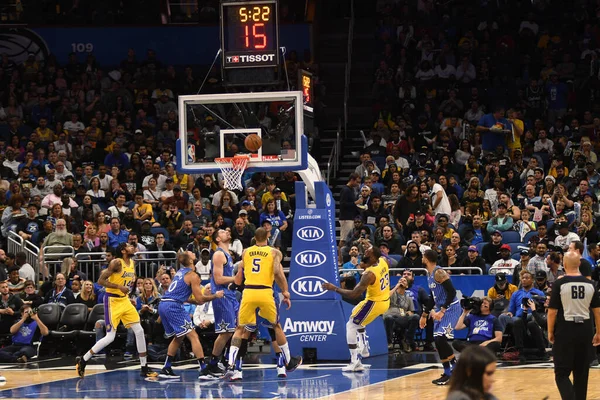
x,y
428,305
423,300
450,293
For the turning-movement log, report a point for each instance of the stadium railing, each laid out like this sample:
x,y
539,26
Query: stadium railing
x,y
348,70
334,156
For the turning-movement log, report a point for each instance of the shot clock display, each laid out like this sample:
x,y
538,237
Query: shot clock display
x,y
250,34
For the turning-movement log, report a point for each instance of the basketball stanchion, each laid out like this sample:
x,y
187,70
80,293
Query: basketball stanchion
x,y
316,323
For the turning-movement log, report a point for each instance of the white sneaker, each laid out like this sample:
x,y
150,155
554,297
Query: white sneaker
x,y
364,349
354,367
281,372
235,376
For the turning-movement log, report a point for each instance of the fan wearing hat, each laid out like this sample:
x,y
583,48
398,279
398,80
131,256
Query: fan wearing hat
x,y
270,194
505,264
565,237
491,251
473,260
501,221
502,289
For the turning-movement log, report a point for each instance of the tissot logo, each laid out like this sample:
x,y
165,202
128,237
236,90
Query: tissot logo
x,y
308,286
310,258
310,233
251,58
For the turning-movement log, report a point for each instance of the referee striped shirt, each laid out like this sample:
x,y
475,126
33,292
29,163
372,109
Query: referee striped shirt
x,y
573,297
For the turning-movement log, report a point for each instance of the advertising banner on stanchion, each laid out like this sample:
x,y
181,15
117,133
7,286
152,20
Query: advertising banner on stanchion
x,y
317,319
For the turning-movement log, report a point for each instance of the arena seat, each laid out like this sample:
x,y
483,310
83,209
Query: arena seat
x,y
528,236
480,246
511,237
96,314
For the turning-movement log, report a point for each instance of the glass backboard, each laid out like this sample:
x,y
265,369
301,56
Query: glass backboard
x,y
216,125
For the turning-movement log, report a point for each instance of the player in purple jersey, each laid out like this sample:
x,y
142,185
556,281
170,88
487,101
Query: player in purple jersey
x,y
444,310
175,318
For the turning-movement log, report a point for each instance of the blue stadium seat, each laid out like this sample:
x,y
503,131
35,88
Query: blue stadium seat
x,y
480,246
396,257
516,255
160,229
528,236
511,237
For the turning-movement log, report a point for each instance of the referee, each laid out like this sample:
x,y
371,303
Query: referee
x,y
570,328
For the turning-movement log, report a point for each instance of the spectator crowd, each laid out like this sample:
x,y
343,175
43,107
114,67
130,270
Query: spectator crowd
x,y
483,147
87,162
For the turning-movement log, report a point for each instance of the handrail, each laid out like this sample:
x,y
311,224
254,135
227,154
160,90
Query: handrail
x,y
334,156
348,69
418,269
15,242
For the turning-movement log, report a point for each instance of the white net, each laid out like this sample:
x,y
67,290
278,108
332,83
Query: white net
x,y
232,169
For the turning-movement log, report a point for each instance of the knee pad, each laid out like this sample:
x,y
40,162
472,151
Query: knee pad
x,y
352,332
140,340
111,335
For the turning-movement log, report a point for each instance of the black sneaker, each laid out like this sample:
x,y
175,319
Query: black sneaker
x,y
211,373
80,364
147,372
167,373
294,363
442,380
428,347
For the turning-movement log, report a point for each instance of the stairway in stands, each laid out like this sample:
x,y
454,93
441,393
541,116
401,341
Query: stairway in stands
x,y
332,50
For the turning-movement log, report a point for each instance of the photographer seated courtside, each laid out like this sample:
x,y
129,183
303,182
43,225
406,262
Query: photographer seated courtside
x,y
27,330
484,328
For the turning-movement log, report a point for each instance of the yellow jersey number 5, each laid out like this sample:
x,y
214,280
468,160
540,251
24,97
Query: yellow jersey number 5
x,y
256,265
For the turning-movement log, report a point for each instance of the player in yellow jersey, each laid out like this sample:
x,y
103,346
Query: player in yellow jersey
x,y
260,267
117,278
376,281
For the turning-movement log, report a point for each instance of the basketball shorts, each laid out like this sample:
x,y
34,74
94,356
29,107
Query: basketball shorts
x,y
119,309
226,312
261,300
445,326
175,319
366,311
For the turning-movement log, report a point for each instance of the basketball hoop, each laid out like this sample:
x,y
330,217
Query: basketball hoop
x,y
232,169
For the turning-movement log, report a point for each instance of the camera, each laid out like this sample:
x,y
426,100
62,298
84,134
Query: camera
x,y
537,299
32,311
471,303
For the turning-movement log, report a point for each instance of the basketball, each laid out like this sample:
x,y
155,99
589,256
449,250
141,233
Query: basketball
x,y
253,142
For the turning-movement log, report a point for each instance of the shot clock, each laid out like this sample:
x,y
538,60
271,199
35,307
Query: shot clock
x,y
250,34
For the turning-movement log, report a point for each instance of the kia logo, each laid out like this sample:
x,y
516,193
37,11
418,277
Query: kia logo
x,y
310,233
308,286
310,258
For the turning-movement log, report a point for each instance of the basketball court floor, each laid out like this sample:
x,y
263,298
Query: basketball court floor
x,y
389,377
